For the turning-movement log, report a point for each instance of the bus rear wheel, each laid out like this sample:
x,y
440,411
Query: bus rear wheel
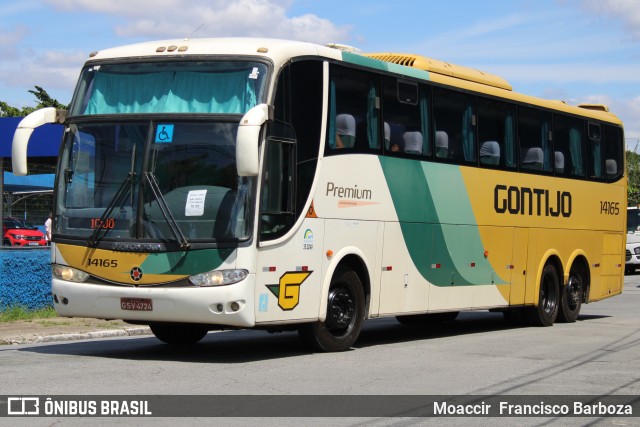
x,y
546,312
178,333
571,297
345,315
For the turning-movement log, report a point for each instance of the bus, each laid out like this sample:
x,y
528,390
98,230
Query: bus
x,y
239,183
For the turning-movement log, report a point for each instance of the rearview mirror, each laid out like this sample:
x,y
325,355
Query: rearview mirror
x,y
248,138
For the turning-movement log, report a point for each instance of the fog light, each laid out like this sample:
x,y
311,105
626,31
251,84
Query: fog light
x,y
235,306
219,307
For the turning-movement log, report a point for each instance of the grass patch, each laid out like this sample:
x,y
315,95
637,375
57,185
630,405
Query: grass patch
x,y
13,313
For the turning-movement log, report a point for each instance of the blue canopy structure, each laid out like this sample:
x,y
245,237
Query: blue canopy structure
x,y
41,183
45,140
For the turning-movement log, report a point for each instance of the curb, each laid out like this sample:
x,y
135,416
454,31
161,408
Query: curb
x,y
79,336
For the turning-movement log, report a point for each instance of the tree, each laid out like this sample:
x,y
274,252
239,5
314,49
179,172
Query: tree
x,y
44,100
633,173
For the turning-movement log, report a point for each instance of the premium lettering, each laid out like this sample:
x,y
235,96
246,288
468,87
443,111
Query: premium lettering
x,y
531,201
347,192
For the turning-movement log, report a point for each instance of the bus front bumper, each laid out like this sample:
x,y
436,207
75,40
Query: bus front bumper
x,y
229,305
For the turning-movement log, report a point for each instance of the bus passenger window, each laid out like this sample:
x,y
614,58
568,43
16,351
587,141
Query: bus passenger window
x,y
353,116
568,142
535,140
614,152
496,133
594,152
406,118
454,114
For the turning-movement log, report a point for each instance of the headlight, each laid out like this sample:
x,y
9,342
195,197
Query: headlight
x,y
218,277
18,236
636,250
68,273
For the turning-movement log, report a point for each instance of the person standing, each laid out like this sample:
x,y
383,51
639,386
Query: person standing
x,y
47,228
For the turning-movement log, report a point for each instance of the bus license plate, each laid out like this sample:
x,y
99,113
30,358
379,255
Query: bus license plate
x,y
136,304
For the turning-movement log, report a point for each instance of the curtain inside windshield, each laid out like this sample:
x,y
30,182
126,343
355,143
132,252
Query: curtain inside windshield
x,y
227,88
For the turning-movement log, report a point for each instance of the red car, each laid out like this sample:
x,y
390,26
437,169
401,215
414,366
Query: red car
x,y
16,232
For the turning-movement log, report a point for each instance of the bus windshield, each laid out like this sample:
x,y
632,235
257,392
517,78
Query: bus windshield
x,y
194,87
153,180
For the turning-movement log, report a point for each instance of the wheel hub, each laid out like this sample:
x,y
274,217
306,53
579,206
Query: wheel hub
x,y
573,292
548,297
341,309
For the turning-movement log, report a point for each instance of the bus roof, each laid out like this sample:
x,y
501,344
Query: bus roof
x,y
441,67
280,51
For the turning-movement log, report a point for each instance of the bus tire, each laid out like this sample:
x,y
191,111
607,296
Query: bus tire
x,y
546,312
428,318
571,297
178,333
345,315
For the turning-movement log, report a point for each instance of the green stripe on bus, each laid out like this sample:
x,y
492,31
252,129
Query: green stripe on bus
x,y
185,263
439,229
376,64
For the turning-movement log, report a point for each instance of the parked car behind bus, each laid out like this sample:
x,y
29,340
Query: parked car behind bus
x,y
16,232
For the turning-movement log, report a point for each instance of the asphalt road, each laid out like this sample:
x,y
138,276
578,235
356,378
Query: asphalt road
x,y
478,354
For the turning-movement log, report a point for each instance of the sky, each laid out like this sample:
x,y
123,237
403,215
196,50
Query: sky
x,y
579,51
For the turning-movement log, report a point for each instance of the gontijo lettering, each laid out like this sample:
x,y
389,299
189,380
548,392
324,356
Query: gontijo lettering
x,y
531,201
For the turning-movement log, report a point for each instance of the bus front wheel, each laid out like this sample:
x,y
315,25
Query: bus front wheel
x,y
178,333
546,312
345,315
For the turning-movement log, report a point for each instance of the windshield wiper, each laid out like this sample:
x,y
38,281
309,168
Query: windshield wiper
x,y
166,212
117,199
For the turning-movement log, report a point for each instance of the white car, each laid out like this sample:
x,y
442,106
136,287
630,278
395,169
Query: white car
x,y
633,253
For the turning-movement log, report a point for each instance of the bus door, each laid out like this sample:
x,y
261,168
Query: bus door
x,y
289,276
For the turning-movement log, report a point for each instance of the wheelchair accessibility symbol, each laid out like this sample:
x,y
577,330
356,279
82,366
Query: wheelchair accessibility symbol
x,y
164,133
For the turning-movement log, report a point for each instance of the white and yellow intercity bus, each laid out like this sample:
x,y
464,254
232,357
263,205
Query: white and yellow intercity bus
x,y
255,183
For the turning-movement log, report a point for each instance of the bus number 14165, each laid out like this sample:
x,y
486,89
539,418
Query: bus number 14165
x,y
609,208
